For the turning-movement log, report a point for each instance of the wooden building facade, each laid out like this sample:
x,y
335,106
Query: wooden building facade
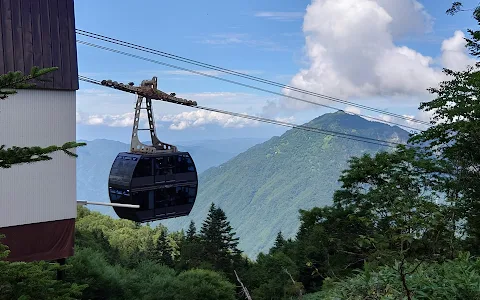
x,y
38,201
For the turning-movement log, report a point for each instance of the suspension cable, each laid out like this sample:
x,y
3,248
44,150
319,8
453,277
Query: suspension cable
x,y
235,82
243,75
281,123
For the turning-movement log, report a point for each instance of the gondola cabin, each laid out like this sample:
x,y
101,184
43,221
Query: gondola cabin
x,y
164,185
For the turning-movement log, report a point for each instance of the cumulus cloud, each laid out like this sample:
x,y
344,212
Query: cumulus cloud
x,y
181,121
120,120
454,52
353,110
351,51
200,118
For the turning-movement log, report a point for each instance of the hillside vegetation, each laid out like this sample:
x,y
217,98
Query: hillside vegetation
x,y
263,188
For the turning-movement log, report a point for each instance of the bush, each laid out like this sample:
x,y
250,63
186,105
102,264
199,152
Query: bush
x,y
456,279
200,284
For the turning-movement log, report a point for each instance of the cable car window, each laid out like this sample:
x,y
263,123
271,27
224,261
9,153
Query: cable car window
x,y
144,168
171,195
182,164
182,195
191,166
164,165
117,195
161,198
192,193
160,166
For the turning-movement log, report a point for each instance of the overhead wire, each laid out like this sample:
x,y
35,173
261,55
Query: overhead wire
x,y
247,76
282,123
233,82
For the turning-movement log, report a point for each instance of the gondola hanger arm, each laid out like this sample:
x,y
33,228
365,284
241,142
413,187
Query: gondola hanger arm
x,y
148,91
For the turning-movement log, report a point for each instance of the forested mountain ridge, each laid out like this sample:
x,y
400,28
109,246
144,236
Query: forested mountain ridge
x,y
263,188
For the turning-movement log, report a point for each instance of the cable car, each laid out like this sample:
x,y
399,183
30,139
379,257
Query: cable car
x,y
160,180
164,185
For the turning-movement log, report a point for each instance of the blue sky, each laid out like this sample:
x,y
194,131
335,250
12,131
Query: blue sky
x,y
275,40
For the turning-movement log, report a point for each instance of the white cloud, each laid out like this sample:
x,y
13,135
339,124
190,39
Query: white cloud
x,y
353,110
111,120
215,95
454,52
243,39
290,119
183,120
351,51
280,15
200,118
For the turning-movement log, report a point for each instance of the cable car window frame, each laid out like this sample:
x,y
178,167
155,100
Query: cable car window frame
x,y
139,169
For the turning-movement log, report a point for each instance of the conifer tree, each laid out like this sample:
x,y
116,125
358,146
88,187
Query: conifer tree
x,y
163,250
279,242
219,241
9,83
191,232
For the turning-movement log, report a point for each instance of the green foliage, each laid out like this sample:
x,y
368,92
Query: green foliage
x,y
454,137
119,259
19,155
327,245
270,278
192,232
394,194
163,251
279,242
270,181
219,242
202,285
456,7
456,279
17,80
25,281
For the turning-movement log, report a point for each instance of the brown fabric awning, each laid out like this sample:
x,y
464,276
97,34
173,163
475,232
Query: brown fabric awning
x,y
40,241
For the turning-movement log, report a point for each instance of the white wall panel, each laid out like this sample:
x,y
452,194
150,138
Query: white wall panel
x,y
42,191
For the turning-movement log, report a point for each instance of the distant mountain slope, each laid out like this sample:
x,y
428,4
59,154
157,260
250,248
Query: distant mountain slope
x,y
95,160
262,189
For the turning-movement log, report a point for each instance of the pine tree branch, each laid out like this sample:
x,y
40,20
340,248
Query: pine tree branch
x,y
17,80
19,155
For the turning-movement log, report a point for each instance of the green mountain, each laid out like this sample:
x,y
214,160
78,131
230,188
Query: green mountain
x,y
262,189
